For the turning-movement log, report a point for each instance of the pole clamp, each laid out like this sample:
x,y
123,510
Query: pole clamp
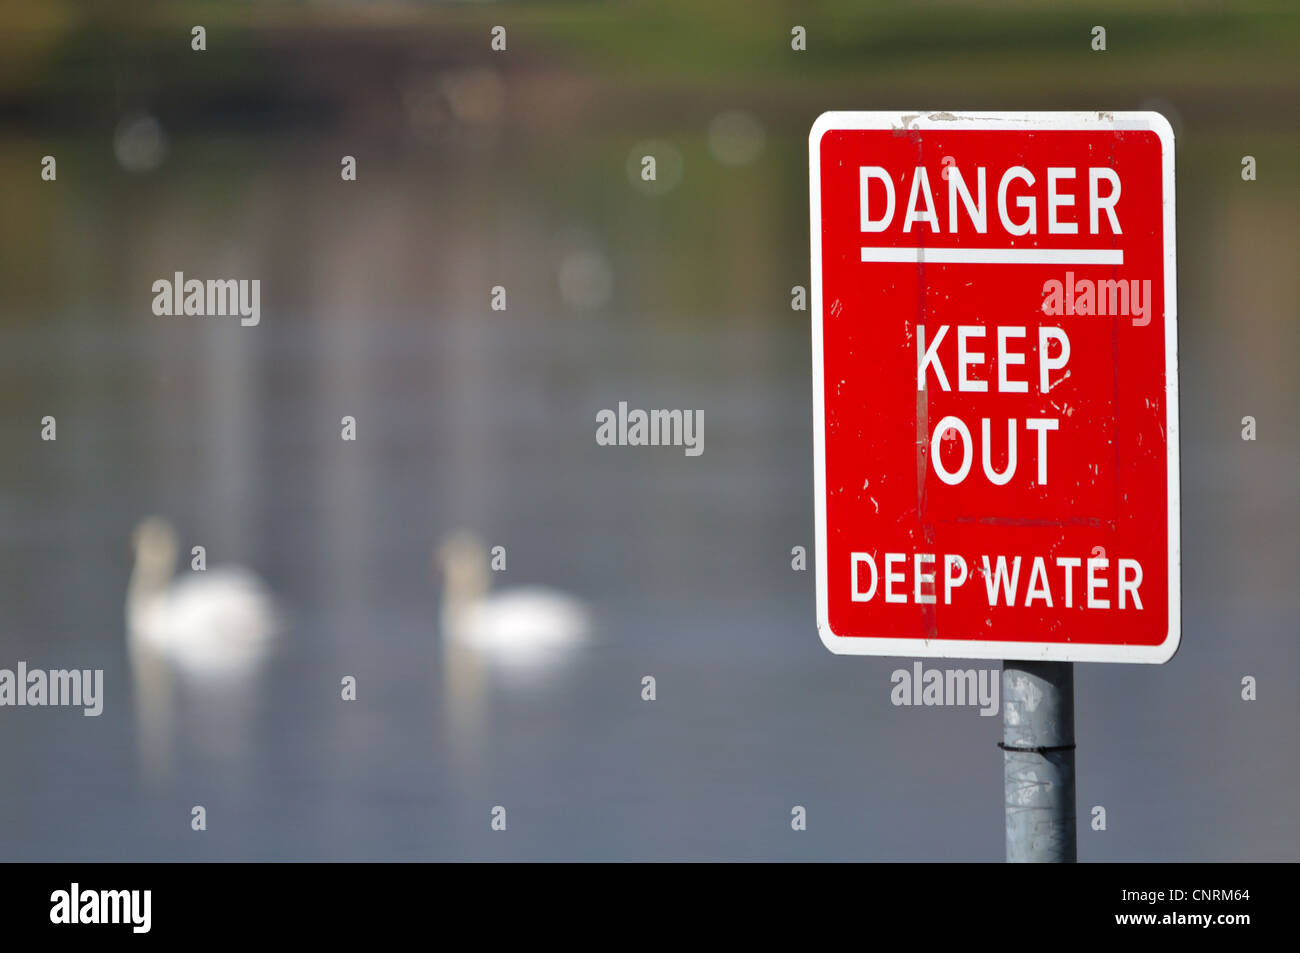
x,y
1035,749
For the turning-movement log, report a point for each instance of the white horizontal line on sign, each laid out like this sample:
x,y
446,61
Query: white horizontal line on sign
x,y
998,256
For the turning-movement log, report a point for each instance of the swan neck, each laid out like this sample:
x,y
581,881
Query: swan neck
x,y
465,588
148,581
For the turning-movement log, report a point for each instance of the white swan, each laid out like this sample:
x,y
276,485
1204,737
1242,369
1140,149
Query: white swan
x,y
207,635
522,629
216,623
522,634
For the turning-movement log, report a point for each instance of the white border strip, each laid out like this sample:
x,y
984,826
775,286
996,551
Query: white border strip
x,y
997,256
982,649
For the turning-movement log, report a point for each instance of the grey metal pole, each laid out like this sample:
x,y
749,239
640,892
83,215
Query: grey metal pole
x,y
1038,746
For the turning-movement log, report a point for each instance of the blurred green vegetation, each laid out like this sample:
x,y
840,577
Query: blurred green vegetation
x,y
284,88
870,50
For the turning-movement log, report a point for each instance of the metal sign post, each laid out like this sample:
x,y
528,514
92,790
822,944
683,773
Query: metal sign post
x,y
1038,746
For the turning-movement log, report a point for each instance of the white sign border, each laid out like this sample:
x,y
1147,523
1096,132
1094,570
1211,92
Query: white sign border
x,y
984,649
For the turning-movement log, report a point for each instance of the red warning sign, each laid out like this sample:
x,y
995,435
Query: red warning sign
x,y
995,385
